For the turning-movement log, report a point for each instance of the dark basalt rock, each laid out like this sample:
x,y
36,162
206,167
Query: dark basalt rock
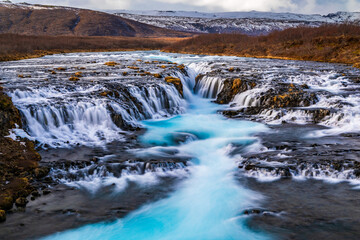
x,y
283,96
176,82
2,216
318,114
41,172
9,115
253,211
18,162
233,87
21,202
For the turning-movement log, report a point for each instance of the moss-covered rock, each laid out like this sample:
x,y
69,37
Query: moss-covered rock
x,y
111,64
18,159
74,79
233,87
2,216
176,82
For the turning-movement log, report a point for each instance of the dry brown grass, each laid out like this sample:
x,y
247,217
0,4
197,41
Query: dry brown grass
x,y
328,43
15,47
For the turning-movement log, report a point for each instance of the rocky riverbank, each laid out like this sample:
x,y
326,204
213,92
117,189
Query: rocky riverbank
x,y
24,178
86,113
19,161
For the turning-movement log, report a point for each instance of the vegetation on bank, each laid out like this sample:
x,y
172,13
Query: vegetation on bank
x,y
18,161
327,43
16,47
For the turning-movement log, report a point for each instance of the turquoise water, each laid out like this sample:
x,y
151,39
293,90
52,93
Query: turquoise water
x,y
208,204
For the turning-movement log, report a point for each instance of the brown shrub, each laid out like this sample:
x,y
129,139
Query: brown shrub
x,y
330,42
13,46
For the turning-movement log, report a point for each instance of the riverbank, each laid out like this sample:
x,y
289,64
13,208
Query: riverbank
x,y
19,159
18,162
84,130
328,43
16,47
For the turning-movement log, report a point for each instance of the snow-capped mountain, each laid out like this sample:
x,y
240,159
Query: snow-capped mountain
x,y
252,23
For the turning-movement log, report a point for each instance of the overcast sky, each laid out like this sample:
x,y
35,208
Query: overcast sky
x,y
297,6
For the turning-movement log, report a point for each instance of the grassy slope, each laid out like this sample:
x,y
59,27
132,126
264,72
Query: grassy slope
x,y
328,43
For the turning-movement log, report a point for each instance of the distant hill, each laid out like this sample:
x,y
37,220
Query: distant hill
x,y
52,20
250,23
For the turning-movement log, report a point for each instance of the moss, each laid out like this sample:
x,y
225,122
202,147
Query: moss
x,y
78,74
231,69
181,67
61,69
157,75
104,94
132,67
125,73
236,83
6,202
72,78
176,82
5,103
2,216
111,64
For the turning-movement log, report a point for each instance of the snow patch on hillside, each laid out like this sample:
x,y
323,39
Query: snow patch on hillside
x,y
253,23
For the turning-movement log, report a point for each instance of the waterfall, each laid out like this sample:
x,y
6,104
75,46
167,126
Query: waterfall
x,y
58,117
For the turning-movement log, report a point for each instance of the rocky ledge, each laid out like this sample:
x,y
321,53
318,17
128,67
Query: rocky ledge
x,y
18,161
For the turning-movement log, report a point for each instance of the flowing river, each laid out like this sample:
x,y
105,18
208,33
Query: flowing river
x,y
209,204
121,132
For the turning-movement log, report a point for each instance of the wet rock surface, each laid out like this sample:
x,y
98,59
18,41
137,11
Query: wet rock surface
x,y
307,164
287,152
306,209
65,208
52,96
18,160
84,185
98,173
296,92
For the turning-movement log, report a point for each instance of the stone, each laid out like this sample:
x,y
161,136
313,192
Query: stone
x,y
41,172
111,64
176,82
21,202
6,202
2,216
72,78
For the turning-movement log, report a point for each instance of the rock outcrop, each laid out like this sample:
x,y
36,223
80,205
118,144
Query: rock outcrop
x,y
176,82
18,160
233,87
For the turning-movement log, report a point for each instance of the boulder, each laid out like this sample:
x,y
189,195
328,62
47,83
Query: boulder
x,y
21,202
2,216
176,82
